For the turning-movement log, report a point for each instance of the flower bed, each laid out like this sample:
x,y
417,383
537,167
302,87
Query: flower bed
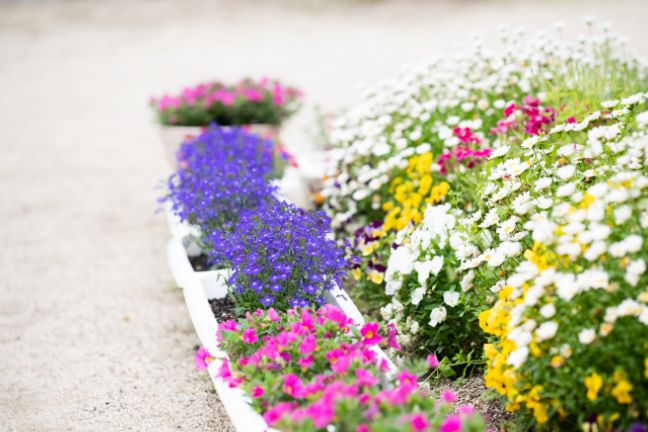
x,y
495,202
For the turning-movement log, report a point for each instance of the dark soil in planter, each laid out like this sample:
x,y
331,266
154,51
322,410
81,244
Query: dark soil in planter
x,y
223,309
200,262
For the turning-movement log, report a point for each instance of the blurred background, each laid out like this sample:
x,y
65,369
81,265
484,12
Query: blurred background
x,y
92,336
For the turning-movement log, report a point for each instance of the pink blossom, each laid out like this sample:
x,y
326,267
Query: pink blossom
x,y
362,428
418,422
249,336
333,313
365,378
448,396
370,334
465,409
466,135
406,378
274,414
391,337
308,344
224,370
432,361
305,362
202,358
278,94
368,356
509,110
338,360
571,120
272,315
253,95
451,423
293,386
257,392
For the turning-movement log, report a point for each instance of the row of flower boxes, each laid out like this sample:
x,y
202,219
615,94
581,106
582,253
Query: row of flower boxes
x,y
201,286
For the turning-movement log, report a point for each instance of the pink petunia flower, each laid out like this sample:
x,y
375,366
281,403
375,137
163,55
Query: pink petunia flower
x,y
465,409
365,378
338,360
418,422
406,378
257,392
249,336
451,423
275,413
308,344
272,315
448,396
305,362
293,386
432,361
370,334
202,358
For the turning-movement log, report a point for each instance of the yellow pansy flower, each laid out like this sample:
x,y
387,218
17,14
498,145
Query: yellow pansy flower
x,y
593,383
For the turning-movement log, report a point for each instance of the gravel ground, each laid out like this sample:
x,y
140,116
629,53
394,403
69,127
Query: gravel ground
x,y
93,335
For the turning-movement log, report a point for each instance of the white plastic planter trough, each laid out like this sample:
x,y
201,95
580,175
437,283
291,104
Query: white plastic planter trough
x,y
172,136
198,289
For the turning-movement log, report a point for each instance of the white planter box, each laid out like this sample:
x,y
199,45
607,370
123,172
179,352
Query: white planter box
x,y
178,228
173,136
198,289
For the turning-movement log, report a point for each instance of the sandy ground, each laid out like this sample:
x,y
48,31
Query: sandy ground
x,y
93,335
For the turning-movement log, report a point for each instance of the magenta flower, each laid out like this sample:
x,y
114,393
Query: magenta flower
x,y
451,423
308,344
370,334
249,336
509,110
448,396
229,325
305,362
202,358
338,360
274,414
362,428
333,313
224,371
465,409
272,315
257,392
391,337
432,361
418,422
365,378
293,386
406,378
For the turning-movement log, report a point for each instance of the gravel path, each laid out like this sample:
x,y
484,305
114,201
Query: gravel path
x,y
93,335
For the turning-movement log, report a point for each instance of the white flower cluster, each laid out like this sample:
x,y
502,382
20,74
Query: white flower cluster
x,y
417,111
579,209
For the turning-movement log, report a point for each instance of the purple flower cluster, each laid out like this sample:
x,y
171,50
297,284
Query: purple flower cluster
x,y
220,173
281,256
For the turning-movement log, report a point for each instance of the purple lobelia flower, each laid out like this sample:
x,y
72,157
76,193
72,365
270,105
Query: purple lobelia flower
x,y
220,173
281,256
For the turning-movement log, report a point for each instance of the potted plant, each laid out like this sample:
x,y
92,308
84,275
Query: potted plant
x,y
258,106
316,369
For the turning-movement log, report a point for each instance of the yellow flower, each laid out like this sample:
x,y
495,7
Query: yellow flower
x,y
376,277
606,328
621,392
557,361
587,201
646,367
594,382
357,273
